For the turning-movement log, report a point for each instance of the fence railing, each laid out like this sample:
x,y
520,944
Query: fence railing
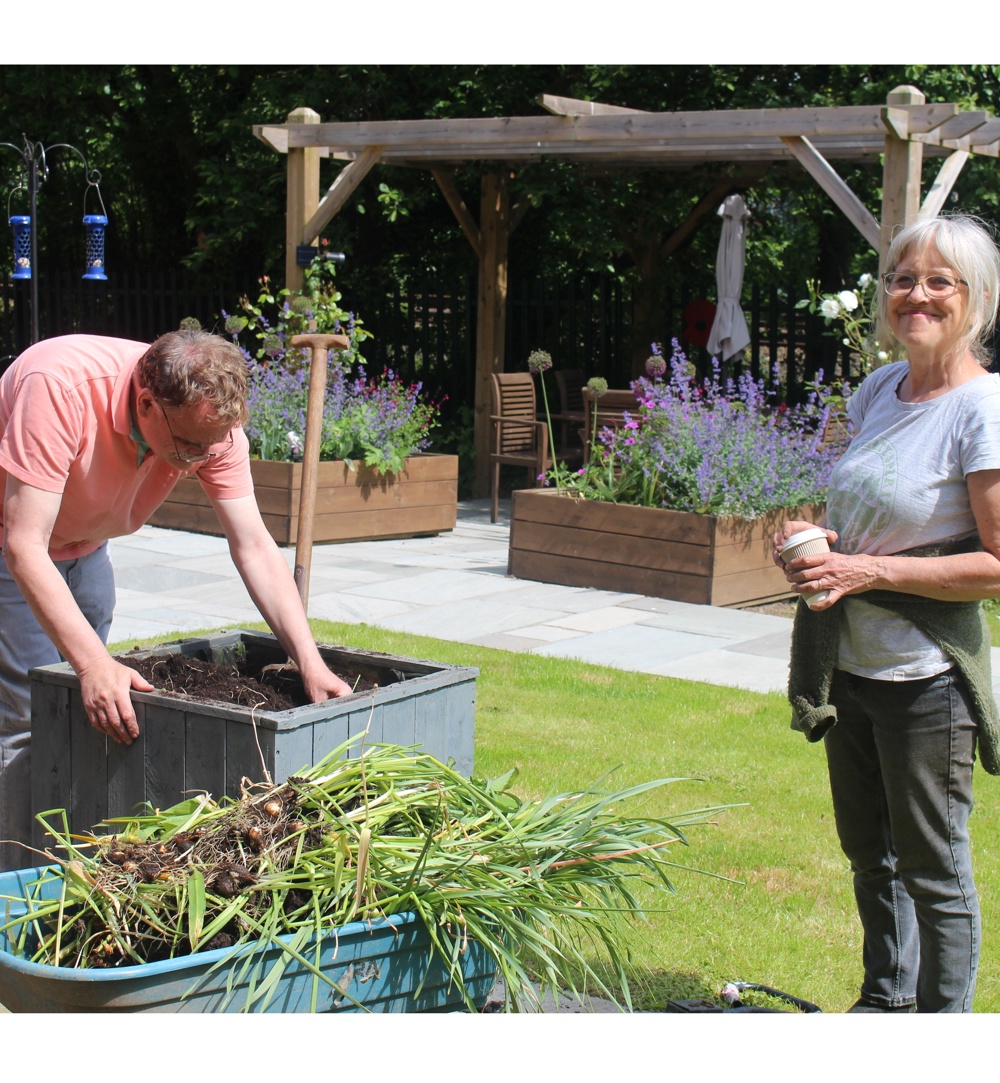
x,y
429,334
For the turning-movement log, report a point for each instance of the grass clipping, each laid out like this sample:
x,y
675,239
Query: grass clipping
x,y
549,887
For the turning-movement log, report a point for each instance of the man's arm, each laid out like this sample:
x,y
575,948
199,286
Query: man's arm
x,y
272,587
29,516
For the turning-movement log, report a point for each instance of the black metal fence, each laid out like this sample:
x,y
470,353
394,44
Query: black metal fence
x,y
429,334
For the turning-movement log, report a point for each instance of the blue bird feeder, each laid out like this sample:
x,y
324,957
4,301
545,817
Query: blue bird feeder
x,y
95,224
21,225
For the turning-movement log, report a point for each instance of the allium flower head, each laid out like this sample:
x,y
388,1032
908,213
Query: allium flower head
x,y
273,344
190,323
539,361
597,385
235,324
301,305
655,366
849,299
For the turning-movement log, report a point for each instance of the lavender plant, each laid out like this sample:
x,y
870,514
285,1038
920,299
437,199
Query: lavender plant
x,y
714,447
379,420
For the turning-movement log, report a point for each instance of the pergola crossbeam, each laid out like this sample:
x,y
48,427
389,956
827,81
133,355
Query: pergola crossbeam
x,y
538,134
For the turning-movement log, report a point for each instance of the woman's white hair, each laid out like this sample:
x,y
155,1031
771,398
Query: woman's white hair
x,y
966,245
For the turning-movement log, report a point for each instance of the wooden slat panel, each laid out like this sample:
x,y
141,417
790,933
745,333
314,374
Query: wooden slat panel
x,y
399,721
165,766
450,735
204,752
559,547
89,769
294,751
127,770
655,554
604,576
249,752
50,737
754,584
741,531
422,500
548,506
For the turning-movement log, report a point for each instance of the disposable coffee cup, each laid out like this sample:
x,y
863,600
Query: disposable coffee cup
x,y
807,543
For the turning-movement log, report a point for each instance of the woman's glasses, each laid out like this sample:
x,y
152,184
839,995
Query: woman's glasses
x,y
936,286
198,453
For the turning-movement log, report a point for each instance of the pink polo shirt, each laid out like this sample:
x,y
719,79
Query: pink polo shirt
x,y
65,427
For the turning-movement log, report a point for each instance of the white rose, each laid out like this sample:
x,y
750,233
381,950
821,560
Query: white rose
x,y
830,308
865,281
849,299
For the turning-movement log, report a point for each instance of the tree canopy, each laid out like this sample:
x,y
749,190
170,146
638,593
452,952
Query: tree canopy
x,y
186,184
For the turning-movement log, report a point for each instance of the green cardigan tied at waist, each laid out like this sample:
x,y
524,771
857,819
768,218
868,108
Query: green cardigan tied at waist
x,y
958,628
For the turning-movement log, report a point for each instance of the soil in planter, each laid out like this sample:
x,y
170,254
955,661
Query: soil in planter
x,y
275,689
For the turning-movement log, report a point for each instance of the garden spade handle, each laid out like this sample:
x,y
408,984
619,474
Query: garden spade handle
x,y
319,344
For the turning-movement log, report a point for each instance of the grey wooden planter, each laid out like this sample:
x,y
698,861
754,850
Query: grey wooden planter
x,y
184,745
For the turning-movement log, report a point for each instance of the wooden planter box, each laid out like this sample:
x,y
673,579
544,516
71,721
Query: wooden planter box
x,y
703,559
351,505
387,965
188,745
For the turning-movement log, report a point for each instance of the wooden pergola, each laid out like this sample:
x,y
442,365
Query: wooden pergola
x,y
901,132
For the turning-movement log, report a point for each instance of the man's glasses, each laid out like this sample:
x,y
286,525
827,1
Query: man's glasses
x,y
200,453
936,286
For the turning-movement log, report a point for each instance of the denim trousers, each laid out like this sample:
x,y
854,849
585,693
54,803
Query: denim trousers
x,y
23,645
900,759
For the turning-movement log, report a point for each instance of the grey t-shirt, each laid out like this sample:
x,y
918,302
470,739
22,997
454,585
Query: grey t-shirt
x,y
901,483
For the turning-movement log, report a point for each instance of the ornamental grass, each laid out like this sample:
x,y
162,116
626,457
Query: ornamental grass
x,y
550,887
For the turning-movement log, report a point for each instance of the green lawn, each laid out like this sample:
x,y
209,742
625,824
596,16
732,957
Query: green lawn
x,y
785,917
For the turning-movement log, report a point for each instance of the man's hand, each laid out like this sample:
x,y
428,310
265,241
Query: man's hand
x,y
104,687
320,684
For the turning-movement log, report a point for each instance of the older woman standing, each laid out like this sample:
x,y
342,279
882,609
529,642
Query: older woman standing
x,y
892,669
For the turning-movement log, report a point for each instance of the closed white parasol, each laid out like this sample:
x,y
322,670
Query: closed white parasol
x,y
729,332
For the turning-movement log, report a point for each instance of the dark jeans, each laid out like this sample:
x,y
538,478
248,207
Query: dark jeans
x,y
900,759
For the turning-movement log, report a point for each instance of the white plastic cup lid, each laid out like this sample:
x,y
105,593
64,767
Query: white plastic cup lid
x,y
811,534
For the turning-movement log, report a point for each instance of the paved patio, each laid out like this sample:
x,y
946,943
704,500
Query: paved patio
x,y
455,587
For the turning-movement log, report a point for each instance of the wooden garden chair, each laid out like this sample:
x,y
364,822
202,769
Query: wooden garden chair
x,y
518,437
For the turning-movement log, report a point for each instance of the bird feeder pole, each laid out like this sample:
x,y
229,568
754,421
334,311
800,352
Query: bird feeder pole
x,y
34,159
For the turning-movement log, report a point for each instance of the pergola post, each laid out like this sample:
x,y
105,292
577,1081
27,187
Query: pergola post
x,y
494,231
901,171
302,196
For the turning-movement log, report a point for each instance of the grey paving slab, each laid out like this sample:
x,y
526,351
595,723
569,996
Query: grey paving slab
x,y
439,587
600,620
354,608
776,645
636,647
465,621
713,620
571,599
548,633
507,642
730,669
156,578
